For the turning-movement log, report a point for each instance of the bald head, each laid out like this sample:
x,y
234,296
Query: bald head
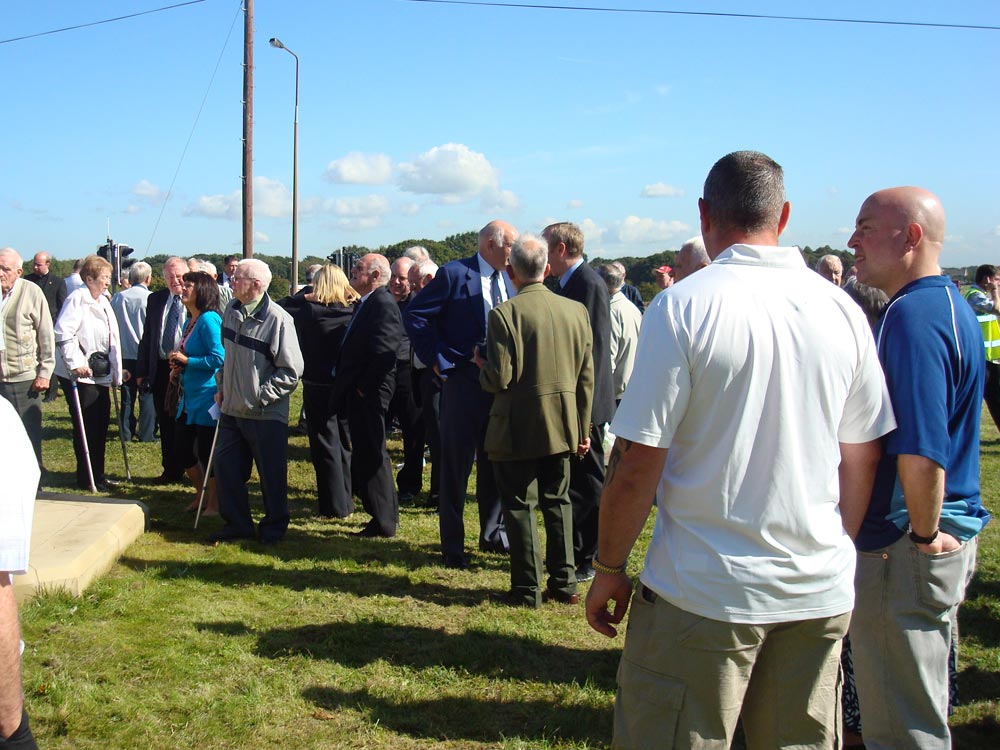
x,y
897,237
399,280
495,241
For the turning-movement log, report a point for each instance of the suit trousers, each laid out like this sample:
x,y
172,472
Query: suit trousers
x,y
168,454
428,387
143,427
586,480
371,472
465,413
991,391
404,408
241,444
328,449
95,403
28,406
513,480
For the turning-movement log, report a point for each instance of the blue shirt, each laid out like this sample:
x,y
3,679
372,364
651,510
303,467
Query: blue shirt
x,y
930,346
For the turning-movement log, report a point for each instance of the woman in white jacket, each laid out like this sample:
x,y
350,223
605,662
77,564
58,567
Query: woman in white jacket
x,y
89,355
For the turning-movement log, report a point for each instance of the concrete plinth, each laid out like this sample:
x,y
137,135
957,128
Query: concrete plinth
x,y
75,539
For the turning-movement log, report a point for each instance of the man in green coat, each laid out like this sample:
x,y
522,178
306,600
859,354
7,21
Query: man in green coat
x,y
540,367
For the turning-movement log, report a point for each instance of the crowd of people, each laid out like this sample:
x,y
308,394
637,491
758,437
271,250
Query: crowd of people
x,y
812,451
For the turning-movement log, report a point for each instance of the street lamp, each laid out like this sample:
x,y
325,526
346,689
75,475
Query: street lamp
x,y
275,42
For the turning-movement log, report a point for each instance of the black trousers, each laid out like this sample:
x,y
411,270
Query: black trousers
x,y
28,405
371,472
143,426
167,422
404,408
586,480
95,403
428,388
991,391
22,738
328,447
465,412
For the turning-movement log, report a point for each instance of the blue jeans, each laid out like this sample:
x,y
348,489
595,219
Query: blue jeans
x,y
904,614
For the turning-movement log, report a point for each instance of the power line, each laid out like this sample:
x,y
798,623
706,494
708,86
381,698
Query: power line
x,y
653,11
98,23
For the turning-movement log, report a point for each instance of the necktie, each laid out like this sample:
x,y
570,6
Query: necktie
x,y
495,295
172,328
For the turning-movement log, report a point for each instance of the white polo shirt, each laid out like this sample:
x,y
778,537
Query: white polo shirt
x,y
751,372
19,469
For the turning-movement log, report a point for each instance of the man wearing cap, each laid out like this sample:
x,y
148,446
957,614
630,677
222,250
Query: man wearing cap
x,y
754,414
663,276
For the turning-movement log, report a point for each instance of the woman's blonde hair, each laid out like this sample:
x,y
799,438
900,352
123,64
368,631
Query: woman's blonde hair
x,y
330,286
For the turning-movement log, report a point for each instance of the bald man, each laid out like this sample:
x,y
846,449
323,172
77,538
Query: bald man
x,y
917,544
691,258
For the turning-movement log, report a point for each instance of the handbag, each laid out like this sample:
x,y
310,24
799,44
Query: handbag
x,y
99,364
172,396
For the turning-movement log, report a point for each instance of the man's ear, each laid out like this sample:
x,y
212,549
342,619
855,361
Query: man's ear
x,y
706,221
783,220
914,235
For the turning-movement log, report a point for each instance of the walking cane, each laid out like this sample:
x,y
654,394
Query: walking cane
x,y
208,471
121,436
83,434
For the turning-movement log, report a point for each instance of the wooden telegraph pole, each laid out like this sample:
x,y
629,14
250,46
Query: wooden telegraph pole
x,y
248,129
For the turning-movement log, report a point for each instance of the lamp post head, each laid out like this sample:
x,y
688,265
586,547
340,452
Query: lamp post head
x,y
275,42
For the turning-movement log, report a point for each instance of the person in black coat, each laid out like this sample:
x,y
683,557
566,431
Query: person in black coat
x,y
320,322
52,286
578,281
363,384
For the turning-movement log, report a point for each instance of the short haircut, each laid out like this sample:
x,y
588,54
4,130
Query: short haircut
x,y
745,190
696,247
613,276
568,234
381,263
92,266
208,267
257,270
311,272
15,253
416,253
492,231
528,257
983,271
139,273
330,286
829,259
229,259
427,268
206,290
173,260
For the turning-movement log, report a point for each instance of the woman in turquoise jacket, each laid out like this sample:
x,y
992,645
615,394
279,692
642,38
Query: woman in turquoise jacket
x,y
194,366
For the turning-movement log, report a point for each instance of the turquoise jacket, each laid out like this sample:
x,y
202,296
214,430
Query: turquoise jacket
x,y
204,351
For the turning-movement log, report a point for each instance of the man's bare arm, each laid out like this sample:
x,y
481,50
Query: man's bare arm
x,y
858,462
633,472
923,490
10,660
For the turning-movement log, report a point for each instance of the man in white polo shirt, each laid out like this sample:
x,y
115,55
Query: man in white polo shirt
x,y
754,381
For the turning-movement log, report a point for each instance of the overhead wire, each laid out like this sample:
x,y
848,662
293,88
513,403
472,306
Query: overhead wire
x,y
661,11
180,163
98,23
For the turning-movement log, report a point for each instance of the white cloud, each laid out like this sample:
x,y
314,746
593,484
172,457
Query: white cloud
x,y
634,230
271,199
360,169
132,210
574,204
663,89
591,231
259,238
661,190
216,206
832,190
359,223
451,169
149,192
362,206
501,201
844,230
410,209
996,231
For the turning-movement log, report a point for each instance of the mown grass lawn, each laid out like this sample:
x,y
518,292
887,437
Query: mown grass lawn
x,y
331,641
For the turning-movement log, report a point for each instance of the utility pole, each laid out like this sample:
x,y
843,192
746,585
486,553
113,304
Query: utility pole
x,y
248,129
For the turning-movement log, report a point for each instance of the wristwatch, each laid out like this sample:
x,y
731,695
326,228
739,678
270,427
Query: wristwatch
x,y
917,539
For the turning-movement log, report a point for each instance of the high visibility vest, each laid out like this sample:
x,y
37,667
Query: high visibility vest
x,y
990,327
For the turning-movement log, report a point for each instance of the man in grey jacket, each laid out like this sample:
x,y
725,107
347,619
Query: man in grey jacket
x,y
130,310
262,367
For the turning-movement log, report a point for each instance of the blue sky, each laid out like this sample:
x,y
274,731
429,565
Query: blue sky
x,y
422,120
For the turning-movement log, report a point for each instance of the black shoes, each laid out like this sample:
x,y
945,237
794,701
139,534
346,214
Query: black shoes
x,y
456,562
511,599
496,547
584,573
230,535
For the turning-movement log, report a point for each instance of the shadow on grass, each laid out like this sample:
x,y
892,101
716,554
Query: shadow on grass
x,y
481,652
976,734
452,718
359,583
975,684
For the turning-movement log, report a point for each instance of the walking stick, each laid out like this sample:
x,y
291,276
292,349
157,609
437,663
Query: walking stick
x,y
121,436
83,433
208,471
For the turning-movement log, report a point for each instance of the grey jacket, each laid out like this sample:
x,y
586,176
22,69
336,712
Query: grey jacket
x,y
263,362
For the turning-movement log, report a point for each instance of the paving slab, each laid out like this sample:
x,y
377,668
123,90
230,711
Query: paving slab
x,y
75,539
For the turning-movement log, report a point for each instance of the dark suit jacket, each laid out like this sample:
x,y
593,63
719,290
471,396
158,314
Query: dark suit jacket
x,y
367,359
541,373
589,289
447,318
54,290
149,344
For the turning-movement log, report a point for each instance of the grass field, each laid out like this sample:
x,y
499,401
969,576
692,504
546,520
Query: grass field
x,y
331,641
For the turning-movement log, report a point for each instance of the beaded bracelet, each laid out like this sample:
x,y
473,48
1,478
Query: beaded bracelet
x,y
608,570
